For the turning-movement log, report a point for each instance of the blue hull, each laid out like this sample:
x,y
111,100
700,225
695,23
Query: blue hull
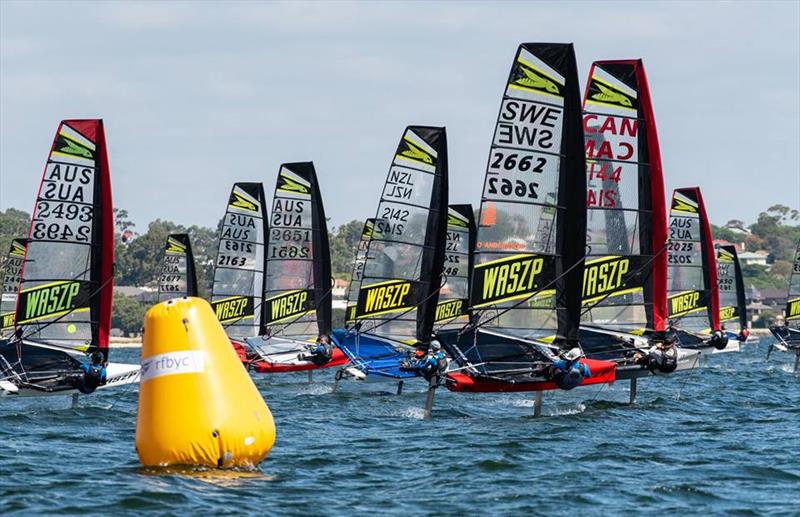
x,y
372,355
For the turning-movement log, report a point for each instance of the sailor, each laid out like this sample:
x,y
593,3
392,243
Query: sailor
x,y
718,340
94,374
569,372
661,358
427,365
322,352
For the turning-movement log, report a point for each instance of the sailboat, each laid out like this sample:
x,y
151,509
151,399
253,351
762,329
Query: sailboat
x,y
452,311
788,334
400,285
12,272
178,276
525,291
693,288
297,286
624,289
63,309
732,304
236,293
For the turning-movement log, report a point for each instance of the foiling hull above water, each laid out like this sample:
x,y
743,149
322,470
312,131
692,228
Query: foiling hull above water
x,y
282,355
49,369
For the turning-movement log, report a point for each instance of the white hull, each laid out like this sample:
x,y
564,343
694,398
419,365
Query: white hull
x,y
280,350
117,374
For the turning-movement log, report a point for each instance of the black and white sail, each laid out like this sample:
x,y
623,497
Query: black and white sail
x,y
236,294
526,281
297,289
12,273
732,304
452,312
402,272
178,276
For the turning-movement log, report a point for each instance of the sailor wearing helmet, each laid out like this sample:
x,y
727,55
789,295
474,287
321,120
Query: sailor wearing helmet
x,y
568,372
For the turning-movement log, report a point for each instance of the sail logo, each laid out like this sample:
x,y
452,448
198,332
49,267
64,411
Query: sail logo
x,y
173,246
681,203
391,296
457,220
727,313
50,300
369,228
289,185
288,305
507,278
724,256
17,249
242,201
415,152
685,302
793,309
528,77
603,92
66,145
450,309
233,309
603,277
6,320
173,363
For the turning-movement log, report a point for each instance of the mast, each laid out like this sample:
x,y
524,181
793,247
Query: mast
x,y
693,299
625,277
178,276
527,271
358,271
236,295
452,310
297,287
403,268
731,287
66,291
11,276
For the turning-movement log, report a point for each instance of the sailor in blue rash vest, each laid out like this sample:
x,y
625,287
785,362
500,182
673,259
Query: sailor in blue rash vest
x,y
429,364
569,372
94,375
322,352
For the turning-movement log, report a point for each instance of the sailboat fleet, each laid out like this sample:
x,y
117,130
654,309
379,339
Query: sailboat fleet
x,y
574,272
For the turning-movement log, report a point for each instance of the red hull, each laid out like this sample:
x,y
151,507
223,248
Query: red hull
x,y
602,372
262,366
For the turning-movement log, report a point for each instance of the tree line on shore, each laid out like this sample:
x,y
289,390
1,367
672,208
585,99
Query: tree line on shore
x,y
138,254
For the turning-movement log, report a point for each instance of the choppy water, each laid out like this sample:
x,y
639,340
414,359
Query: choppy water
x,y
730,444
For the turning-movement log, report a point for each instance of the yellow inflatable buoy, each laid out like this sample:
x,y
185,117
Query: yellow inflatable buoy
x,y
197,404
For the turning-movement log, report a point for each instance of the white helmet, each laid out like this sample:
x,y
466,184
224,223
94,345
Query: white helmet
x,y
435,346
573,354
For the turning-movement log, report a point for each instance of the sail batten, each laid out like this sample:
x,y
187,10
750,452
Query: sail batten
x,y
236,294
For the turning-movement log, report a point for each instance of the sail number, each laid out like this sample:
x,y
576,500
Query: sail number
x,y
70,212
231,260
517,162
518,188
289,252
61,232
291,235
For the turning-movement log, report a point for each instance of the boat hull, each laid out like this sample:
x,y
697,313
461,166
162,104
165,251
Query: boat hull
x,y
117,374
281,356
602,372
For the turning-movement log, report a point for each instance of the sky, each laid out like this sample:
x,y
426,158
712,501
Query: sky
x,y
197,95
